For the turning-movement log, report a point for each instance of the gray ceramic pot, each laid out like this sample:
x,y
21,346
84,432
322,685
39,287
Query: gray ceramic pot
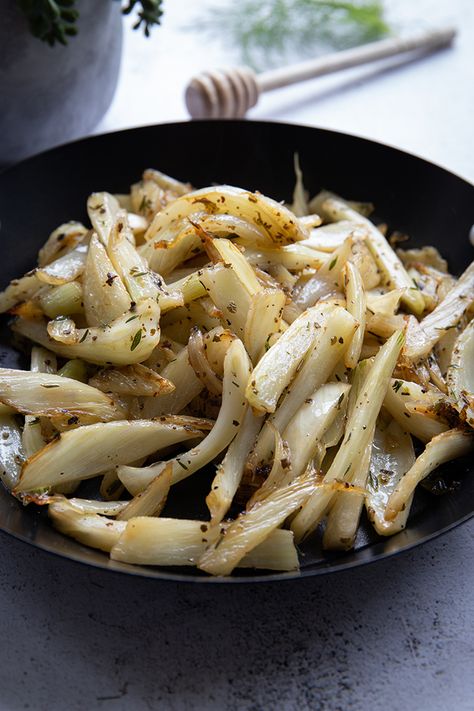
x,y
49,95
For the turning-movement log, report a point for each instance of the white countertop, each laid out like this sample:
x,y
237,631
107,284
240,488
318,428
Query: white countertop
x,y
394,635
425,107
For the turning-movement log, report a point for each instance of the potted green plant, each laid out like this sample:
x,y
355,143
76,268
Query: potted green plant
x,y
60,61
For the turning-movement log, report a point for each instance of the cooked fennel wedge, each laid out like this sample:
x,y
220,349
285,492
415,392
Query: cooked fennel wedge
x,y
92,506
460,376
12,453
151,501
442,448
179,371
171,541
275,223
102,209
231,413
70,456
228,293
294,257
307,427
64,269
33,437
344,514
345,509
19,290
229,254
105,296
252,527
63,239
263,321
299,206
230,470
416,409
199,361
280,473
447,314
62,300
53,395
134,380
277,367
131,338
328,237
218,333
336,327
89,528
392,455
178,243
356,305
335,208
359,429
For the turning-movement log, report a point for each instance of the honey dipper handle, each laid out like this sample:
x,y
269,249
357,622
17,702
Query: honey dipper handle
x,y
425,40
230,93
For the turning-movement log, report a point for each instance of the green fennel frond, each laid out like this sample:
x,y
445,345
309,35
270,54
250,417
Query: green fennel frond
x,y
270,32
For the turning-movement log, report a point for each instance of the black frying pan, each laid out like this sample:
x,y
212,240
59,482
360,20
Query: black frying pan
x,y
411,195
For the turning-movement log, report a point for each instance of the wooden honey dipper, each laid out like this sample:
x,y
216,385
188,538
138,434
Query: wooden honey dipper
x,y
230,93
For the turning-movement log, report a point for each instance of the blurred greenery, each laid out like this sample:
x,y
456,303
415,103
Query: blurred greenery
x,y
54,21
271,32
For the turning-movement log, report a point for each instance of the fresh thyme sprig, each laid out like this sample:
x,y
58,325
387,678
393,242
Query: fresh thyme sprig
x,y
55,20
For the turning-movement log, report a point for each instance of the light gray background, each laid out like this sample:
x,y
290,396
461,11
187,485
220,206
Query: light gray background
x,y
395,635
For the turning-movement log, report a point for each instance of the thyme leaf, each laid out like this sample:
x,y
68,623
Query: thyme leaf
x,y
136,340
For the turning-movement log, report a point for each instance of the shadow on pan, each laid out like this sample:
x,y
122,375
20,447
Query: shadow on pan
x,y
414,196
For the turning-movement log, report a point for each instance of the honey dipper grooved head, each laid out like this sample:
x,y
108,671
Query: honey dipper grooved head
x,y
222,93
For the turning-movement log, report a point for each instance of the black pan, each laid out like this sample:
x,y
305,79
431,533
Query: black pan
x,y
411,195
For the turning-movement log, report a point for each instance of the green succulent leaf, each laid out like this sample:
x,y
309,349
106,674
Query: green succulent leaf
x,y
53,21
50,20
148,16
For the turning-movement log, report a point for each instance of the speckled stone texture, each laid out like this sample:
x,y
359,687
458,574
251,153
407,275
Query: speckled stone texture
x,y
394,635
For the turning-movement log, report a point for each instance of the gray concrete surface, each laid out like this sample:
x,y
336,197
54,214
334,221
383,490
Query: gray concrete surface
x,y
394,635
